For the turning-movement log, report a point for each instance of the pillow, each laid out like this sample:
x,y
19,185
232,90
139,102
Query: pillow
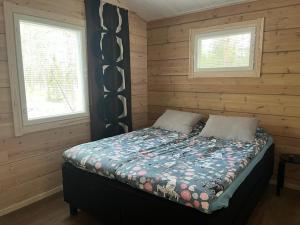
x,y
228,128
178,121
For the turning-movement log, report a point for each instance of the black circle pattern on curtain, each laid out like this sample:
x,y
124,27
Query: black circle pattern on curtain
x,y
115,70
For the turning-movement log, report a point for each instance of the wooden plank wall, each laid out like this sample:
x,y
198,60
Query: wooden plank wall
x,y
273,98
30,165
139,79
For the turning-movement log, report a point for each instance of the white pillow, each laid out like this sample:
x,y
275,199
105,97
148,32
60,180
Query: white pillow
x,y
178,121
229,128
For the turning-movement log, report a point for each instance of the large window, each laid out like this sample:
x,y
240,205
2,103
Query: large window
x,y
232,50
51,88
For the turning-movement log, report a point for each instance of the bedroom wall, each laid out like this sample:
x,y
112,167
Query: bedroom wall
x,y
139,79
273,98
30,165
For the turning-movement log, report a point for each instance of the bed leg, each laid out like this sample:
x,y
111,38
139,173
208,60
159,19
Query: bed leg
x,y
73,210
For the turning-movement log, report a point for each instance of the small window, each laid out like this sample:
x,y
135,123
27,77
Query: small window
x,y
51,87
232,50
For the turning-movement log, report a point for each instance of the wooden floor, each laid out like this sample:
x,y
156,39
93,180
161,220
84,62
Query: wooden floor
x,y
272,210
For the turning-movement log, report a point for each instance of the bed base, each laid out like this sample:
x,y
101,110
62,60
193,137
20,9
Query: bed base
x,y
117,203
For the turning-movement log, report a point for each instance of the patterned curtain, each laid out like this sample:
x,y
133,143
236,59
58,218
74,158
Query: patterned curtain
x,y
109,69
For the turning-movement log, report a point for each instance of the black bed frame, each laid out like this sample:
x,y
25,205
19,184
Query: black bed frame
x,y
117,203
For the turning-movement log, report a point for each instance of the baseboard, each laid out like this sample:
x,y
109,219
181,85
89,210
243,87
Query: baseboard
x,y
29,201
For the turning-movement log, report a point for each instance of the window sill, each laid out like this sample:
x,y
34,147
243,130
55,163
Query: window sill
x,y
19,131
215,74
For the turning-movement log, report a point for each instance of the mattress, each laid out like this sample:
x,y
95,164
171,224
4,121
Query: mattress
x,y
202,173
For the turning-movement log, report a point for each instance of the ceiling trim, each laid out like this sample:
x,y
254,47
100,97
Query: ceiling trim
x,y
218,5
159,10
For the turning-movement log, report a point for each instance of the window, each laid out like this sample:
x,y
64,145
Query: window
x,y
51,87
232,50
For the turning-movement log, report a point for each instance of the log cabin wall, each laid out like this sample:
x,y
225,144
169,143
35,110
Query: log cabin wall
x,y
30,166
139,79
273,98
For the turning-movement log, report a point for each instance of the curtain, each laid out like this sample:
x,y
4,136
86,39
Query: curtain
x,y
109,69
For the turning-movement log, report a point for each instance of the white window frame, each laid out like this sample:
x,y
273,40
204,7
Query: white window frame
x,y
255,27
13,13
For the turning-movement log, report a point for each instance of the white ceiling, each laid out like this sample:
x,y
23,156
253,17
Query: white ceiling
x,y
157,9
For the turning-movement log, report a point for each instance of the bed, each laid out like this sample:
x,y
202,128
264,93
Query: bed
x,y
155,176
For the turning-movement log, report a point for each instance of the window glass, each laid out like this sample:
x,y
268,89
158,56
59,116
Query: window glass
x,y
53,75
229,49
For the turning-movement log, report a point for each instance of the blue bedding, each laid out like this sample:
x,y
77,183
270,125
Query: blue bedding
x,y
105,156
223,200
195,171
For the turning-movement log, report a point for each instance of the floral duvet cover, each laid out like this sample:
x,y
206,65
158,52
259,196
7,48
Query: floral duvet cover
x,y
190,170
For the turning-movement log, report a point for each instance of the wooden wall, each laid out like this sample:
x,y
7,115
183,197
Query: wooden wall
x,y
273,98
30,165
139,80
